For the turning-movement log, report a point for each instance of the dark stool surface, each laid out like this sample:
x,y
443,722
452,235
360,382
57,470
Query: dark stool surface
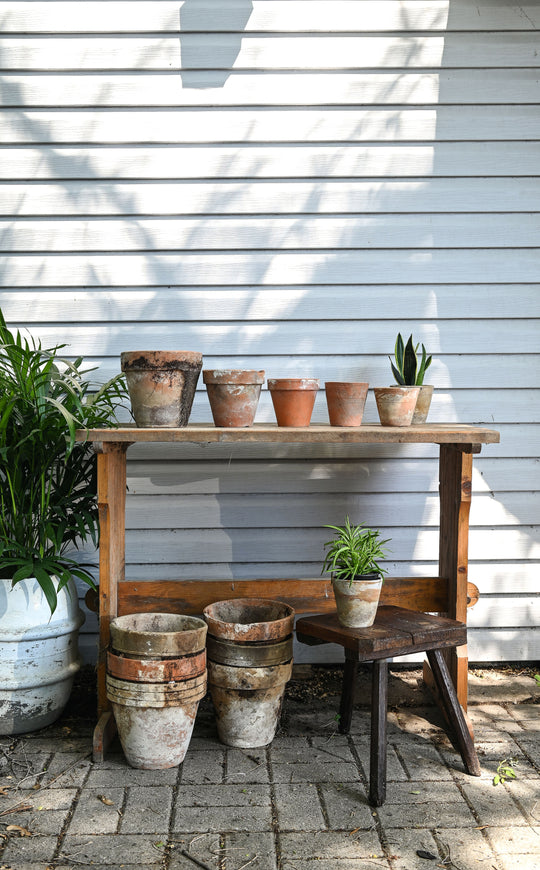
x,y
396,631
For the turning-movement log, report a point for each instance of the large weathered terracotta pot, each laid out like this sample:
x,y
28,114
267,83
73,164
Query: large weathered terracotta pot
x,y
233,395
346,402
161,385
396,404
293,400
156,677
249,664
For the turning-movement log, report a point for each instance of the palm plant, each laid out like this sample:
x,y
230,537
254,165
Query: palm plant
x,y
354,551
47,479
406,370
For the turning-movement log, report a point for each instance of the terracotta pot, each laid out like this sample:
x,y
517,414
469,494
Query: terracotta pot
x,y
155,697
249,663
247,702
423,404
357,602
293,400
396,404
161,385
249,619
345,402
233,395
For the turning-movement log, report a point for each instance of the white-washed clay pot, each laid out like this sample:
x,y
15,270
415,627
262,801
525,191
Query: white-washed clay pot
x,y
38,654
396,404
423,404
357,602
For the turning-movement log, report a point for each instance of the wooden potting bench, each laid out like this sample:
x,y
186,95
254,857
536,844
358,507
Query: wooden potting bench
x,y
448,593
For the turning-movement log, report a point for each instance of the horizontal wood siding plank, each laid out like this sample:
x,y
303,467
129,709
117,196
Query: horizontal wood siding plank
x,y
438,159
411,303
222,51
270,15
226,233
224,340
491,477
308,510
370,196
277,545
178,126
276,267
205,88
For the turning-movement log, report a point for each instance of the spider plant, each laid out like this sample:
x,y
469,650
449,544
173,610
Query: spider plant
x,y
47,479
406,370
354,551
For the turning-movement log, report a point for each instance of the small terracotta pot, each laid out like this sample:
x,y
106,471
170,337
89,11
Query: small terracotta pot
x,y
423,404
293,400
357,602
396,404
233,395
345,402
161,385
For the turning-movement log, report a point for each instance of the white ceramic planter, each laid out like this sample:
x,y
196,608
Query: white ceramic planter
x,y
357,602
38,654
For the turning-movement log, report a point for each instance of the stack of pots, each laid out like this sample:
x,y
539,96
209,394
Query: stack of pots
x,y
249,649
156,677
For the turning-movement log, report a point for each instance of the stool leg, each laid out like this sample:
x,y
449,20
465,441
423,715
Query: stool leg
x,y
347,691
453,710
377,763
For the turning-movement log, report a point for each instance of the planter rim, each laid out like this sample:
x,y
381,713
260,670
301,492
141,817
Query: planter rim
x,y
172,360
346,384
293,383
222,622
398,388
374,577
233,376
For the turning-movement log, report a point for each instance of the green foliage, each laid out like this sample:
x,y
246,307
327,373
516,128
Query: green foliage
x,y
354,551
406,370
505,770
47,480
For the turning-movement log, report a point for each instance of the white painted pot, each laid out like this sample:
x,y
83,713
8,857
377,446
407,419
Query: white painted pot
x,y
357,602
38,654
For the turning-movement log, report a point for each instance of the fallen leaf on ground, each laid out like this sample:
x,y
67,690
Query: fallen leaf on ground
x,y
18,829
105,800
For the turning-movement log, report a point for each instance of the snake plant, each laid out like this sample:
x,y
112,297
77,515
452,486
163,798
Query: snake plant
x,y
406,370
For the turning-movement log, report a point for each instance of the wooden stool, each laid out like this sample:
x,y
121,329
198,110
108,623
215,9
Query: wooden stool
x,y
395,632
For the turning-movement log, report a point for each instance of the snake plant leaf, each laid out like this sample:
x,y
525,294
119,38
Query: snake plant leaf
x,y
424,365
397,375
409,363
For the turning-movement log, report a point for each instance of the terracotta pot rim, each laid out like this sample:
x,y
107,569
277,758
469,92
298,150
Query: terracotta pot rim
x,y
145,360
397,388
233,376
360,578
346,384
293,383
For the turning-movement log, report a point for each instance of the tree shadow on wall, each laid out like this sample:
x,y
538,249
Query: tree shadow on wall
x,y
211,38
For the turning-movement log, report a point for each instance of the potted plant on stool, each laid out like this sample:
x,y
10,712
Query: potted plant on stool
x,y
353,557
47,507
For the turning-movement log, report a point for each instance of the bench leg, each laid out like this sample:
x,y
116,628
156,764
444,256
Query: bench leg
x,y
453,711
377,763
347,691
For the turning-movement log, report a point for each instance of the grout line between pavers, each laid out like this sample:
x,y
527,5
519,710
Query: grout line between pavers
x,y
74,804
273,809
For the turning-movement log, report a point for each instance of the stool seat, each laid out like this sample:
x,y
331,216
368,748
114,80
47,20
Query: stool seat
x,y
395,632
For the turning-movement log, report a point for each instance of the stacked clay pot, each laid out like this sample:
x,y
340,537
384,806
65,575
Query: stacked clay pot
x,y
156,677
249,648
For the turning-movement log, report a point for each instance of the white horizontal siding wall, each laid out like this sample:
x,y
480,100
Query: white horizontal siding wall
x,y
285,184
